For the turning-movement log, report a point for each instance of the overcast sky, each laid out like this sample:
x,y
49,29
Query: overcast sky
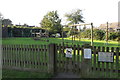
x,y
31,12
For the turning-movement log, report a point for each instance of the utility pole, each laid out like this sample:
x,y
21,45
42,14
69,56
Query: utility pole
x,y
107,34
91,34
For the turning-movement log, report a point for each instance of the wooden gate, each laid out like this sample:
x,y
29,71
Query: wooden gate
x,y
76,64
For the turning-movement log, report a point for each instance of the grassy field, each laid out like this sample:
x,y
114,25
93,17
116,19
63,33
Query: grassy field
x,y
57,41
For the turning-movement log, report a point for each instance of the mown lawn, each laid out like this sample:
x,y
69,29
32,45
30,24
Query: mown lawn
x,y
29,41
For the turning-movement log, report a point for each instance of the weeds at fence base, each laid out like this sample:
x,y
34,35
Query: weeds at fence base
x,y
100,74
6,73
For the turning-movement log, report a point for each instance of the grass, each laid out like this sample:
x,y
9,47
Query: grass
x,y
29,41
23,74
96,42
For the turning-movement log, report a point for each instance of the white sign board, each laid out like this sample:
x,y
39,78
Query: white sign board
x,y
105,56
87,53
69,52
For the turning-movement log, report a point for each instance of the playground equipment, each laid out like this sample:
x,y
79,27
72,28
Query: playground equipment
x,y
107,34
40,34
73,27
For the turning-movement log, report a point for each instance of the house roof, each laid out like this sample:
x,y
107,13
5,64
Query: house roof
x,y
110,25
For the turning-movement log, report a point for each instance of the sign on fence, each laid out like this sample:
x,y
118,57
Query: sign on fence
x,y
87,53
105,56
69,52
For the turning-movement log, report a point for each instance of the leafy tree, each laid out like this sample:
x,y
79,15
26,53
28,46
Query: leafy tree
x,y
118,37
25,25
1,16
86,33
113,35
75,17
52,22
84,28
99,34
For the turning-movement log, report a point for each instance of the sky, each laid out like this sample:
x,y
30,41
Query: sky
x,y
31,12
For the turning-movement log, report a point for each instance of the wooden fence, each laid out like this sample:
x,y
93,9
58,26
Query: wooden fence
x,y
25,57
78,64
52,59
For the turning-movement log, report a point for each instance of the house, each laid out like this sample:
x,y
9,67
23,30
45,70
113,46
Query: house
x,y
112,27
6,22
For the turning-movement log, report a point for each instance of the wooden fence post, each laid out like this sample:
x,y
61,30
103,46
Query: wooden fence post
x,y
86,63
117,62
91,34
52,58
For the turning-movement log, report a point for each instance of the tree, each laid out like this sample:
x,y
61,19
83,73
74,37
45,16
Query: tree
x,y
99,34
25,25
86,33
113,35
1,16
52,22
84,28
0,24
74,17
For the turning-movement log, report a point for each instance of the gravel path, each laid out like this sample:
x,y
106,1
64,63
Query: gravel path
x,y
65,75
